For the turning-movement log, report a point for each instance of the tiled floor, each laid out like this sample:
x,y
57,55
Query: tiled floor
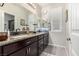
x,y
54,51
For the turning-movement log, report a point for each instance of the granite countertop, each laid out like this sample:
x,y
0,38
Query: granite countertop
x,y
17,38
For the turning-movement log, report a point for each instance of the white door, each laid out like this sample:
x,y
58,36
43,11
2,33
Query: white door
x,y
74,27
68,29
72,24
68,33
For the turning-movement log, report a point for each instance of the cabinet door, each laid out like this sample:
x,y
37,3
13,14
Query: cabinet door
x,y
46,40
32,49
40,46
0,51
21,52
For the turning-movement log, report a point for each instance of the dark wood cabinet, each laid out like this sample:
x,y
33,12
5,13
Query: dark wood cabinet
x,y
8,49
27,47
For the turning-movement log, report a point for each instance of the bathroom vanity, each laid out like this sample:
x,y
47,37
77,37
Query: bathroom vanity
x,y
18,26
25,45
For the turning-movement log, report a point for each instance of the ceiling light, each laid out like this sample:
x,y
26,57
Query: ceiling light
x,y
32,5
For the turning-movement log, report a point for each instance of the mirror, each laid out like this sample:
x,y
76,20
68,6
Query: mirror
x,y
32,22
19,22
36,22
13,25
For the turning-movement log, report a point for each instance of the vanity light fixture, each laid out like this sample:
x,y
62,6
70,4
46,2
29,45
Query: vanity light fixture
x,y
1,4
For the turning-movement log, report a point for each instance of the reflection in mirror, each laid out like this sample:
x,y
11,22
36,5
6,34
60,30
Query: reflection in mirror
x,y
36,23
9,22
44,25
22,22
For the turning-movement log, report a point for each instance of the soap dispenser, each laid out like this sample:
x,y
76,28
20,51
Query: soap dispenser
x,y
8,34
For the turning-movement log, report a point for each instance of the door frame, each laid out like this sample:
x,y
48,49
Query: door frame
x,y
69,30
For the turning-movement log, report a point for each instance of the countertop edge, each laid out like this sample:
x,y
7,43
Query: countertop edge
x,y
9,41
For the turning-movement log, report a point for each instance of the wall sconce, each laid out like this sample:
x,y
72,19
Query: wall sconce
x,y
1,4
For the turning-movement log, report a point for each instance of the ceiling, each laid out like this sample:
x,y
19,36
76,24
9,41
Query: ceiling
x,y
53,5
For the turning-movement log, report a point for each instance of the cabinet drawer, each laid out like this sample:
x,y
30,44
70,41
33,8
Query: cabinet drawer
x,y
30,40
33,39
40,37
46,35
13,47
41,42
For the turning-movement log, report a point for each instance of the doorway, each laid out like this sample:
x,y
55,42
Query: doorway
x,y
8,22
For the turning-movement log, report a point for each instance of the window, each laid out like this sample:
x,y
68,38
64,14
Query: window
x,y
56,20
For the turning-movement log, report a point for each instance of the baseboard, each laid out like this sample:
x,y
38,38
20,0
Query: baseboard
x,y
57,45
73,53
